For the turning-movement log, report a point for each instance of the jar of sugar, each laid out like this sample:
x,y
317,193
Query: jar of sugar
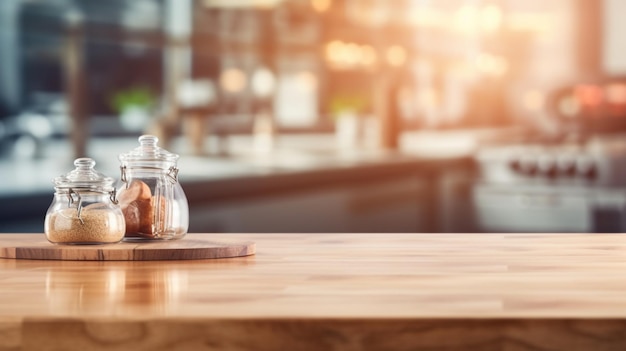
x,y
153,202
85,209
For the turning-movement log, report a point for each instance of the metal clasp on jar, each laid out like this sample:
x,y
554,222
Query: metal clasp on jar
x,y
79,200
172,173
79,206
113,196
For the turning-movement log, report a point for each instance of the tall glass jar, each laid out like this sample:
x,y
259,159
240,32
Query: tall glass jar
x,y
84,209
152,200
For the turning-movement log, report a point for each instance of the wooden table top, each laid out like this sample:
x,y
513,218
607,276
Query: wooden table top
x,y
338,291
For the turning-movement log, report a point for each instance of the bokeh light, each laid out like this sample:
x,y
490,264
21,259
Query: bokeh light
x,y
233,80
263,82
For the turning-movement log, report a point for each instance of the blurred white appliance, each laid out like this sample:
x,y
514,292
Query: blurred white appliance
x,y
553,187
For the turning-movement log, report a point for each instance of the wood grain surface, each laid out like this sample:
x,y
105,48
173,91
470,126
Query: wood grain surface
x,y
431,292
188,248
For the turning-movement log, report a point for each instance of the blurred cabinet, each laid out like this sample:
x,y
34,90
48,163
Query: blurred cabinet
x,y
392,205
403,203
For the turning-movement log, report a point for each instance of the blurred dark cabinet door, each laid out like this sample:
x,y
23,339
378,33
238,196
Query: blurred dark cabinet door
x,y
394,205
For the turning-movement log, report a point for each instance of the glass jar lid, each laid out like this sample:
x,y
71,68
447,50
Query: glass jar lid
x,y
149,155
84,177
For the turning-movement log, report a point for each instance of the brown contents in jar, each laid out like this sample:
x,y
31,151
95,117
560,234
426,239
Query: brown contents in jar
x,y
135,204
146,215
139,208
99,225
151,222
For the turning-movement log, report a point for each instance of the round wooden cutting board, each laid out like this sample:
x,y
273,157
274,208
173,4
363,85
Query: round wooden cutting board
x,y
191,247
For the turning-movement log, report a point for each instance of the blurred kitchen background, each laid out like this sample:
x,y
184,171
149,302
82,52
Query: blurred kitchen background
x,y
327,115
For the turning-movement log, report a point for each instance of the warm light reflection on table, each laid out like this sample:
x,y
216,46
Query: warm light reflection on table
x,y
110,288
107,287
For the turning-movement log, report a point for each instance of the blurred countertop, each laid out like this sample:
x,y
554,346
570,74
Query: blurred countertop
x,y
292,156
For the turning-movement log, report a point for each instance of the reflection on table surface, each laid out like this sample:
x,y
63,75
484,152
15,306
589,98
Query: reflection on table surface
x,y
92,288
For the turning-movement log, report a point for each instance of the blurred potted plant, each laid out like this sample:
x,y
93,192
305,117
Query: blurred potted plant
x,y
344,105
134,106
347,111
